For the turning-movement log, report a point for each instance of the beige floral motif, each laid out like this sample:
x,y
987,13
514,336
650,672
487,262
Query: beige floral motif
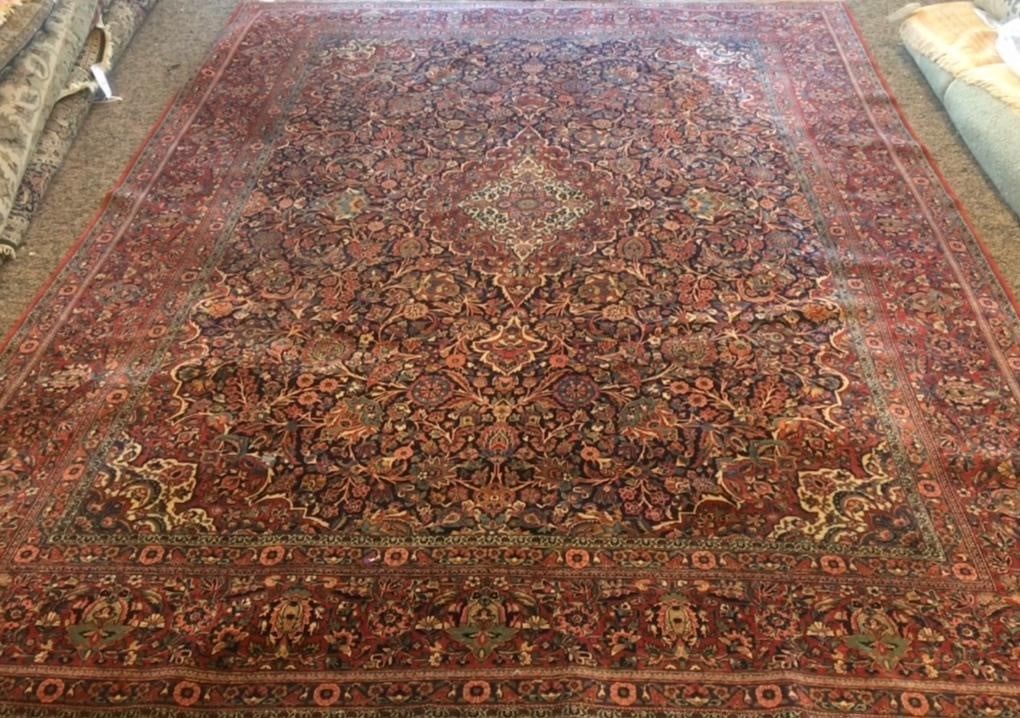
x,y
153,493
840,501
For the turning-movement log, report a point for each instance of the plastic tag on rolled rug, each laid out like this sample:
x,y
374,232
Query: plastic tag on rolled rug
x,y
104,92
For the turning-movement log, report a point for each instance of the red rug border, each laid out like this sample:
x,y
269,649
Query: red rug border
x,y
930,158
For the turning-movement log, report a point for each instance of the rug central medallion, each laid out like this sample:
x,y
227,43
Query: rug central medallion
x,y
528,207
525,211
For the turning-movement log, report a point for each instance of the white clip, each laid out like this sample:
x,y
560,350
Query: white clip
x,y
104,93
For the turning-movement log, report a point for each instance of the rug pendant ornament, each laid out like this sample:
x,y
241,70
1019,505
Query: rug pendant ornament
x,y
510,348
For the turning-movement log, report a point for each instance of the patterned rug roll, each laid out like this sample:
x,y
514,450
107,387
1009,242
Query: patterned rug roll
x,y
36,135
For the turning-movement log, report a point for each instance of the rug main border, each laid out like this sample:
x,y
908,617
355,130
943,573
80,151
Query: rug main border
x,y
790,678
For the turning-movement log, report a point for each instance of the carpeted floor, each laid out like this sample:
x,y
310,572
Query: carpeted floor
x,y
177,35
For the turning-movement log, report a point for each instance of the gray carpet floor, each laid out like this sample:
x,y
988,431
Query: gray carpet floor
x,y
177,35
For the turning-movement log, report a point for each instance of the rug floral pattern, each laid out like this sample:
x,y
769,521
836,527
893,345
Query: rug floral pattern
x,y
519,361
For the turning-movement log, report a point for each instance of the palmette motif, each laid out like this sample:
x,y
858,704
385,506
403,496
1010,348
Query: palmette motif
x,y
519,360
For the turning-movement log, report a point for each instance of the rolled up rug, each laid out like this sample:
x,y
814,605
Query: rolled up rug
x,y
30,86
20,20
121,18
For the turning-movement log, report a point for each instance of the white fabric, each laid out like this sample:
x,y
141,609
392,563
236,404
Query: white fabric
x,y
1008,44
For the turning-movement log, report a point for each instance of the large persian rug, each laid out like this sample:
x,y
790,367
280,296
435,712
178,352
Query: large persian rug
x,y
518,360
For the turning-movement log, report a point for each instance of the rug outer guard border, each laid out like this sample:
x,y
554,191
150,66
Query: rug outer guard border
x,y
145,144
